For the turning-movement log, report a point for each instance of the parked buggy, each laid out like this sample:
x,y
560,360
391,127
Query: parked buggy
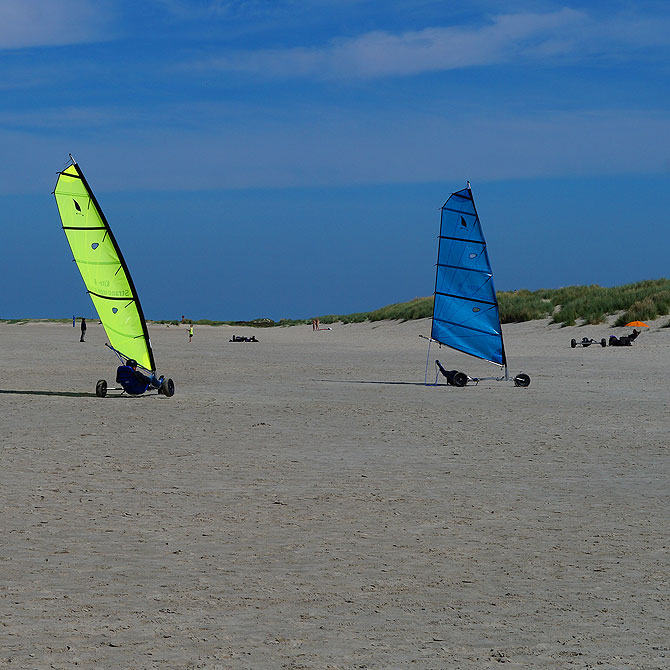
x,y
587,342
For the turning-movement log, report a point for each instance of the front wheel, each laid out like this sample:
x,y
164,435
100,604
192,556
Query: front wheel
x,y
167,388
522,380
603,342
101,388
573,343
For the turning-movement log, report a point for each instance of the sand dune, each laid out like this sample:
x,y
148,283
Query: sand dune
x,y
307,502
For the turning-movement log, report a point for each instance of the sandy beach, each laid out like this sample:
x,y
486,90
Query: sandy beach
x,y
307,502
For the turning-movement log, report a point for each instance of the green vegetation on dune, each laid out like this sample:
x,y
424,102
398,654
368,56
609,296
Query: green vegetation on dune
x,y
587,304
641,301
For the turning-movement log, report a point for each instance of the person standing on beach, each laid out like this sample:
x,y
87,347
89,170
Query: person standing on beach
x,y
190,332
83,329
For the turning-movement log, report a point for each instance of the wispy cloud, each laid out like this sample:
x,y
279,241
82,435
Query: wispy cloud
x,y
566,33
32,23
327,149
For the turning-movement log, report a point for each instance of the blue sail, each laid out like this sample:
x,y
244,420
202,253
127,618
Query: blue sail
x,y
465,314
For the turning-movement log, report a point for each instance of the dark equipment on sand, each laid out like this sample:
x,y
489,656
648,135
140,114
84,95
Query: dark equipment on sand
x,y
624,340
587,342
460,379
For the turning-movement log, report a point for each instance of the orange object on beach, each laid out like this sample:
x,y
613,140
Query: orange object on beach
x,y
637,324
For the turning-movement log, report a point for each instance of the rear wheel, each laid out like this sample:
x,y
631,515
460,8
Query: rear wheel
x,y
167,388
522,380
603,342
573,343
459,379
101,388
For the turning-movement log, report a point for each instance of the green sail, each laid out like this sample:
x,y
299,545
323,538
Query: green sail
x,y
102,267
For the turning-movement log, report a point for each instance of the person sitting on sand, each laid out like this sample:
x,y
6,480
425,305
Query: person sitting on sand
x,y
133,381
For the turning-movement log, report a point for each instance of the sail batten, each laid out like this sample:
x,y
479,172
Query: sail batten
x,y
460,267
462,297
465,312
102,267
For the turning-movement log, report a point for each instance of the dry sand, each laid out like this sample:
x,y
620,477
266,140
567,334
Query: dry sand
x,y
306,502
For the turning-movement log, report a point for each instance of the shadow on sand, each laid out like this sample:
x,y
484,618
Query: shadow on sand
x,y
66,394
362,381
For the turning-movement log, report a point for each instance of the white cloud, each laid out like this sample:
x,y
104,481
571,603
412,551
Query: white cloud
x,y
506,38
32,23
322,149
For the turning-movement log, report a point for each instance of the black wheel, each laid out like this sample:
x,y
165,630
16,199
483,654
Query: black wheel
x,y
603,342
101,388
573,343
459,379
522,380
167,388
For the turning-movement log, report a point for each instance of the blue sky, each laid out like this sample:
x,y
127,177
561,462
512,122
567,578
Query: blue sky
x,y
287,159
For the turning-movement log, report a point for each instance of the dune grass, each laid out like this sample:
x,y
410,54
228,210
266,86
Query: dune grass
x,y
567,306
